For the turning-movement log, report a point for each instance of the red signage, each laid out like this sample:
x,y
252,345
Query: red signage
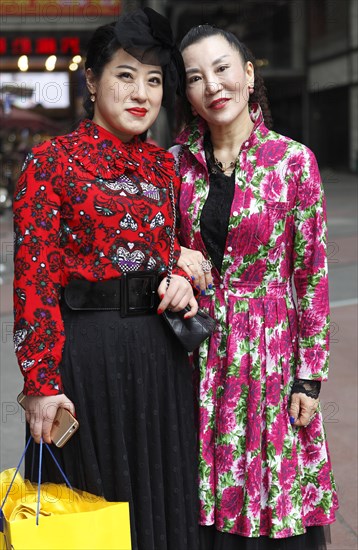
x,y
42,45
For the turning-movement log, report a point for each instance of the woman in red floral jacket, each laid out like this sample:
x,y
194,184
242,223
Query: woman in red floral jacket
x,y
93,219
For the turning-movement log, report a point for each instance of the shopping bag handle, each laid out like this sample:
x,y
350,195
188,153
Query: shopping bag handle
x,y
39,478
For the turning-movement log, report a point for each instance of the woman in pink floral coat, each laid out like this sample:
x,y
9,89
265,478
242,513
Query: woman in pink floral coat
x,y
252,204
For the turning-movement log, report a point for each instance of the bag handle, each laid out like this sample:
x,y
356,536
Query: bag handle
x,y
39,477
172,232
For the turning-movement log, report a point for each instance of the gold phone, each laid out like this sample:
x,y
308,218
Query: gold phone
x,y
64,424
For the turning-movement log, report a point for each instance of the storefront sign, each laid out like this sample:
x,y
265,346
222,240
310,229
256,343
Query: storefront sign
x,y
42,45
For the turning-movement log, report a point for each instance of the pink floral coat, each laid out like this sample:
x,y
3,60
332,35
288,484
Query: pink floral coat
x,y
258,475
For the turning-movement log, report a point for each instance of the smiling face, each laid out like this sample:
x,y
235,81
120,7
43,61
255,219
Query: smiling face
x,y
128,95
217,80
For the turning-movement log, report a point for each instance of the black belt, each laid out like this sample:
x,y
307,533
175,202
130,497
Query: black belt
x,y
133,293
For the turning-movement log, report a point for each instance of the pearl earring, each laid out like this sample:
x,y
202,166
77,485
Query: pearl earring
x,y
93,97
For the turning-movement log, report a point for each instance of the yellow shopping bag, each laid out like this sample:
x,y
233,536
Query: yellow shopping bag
x,y
53,516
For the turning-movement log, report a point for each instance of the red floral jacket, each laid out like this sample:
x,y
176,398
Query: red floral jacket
x,y
86,206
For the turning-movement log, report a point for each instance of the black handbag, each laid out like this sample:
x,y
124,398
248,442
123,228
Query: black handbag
x,y
193,331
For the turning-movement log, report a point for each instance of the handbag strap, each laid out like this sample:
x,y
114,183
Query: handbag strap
x,y
39,476
172,232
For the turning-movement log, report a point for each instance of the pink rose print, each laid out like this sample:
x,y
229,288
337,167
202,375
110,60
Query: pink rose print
x,y
240,329
295,164
254,273
312,454
271,152
315,516
287,473
285,533
224,458
313,324
271,186
283,507
319,256
270,313
239,470
226,420
273,391
253,483
315,358
232,389
274,346
324,478
312,496
232,500
207,438
309,194
278,432
247,230
265,227
320,298
243,526
253,432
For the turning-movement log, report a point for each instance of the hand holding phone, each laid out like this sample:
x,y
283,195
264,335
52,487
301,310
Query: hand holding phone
x,y
64,424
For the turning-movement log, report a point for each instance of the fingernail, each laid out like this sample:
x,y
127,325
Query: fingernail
x,y
161,296
197,287
292,420
210,286
203,293
193,278
159,311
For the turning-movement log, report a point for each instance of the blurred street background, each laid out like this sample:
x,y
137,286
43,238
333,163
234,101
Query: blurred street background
x,y
307,51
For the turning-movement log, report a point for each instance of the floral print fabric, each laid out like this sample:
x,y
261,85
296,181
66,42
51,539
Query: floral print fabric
x,y
86,206
258,474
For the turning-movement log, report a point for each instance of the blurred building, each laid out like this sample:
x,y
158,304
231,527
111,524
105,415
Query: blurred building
x,y
307,51
308,54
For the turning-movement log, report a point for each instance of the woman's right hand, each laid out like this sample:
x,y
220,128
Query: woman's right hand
x,y
41,412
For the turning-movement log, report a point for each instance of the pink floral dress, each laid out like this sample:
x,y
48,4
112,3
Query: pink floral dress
x,y
258,475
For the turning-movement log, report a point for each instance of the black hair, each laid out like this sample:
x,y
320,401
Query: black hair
x,y
196,34
100,50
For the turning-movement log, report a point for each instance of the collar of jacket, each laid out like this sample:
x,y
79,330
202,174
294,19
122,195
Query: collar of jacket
x,y
193,134
103,155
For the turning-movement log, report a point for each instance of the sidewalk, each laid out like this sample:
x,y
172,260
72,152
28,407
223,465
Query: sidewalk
x,y
339,394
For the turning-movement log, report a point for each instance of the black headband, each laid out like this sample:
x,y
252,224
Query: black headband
x,y
147,36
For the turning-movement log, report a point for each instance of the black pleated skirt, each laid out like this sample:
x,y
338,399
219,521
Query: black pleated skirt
x,y
131,384
314,539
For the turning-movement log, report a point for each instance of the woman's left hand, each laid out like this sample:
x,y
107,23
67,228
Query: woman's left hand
x,y
191,262
178,296
302,409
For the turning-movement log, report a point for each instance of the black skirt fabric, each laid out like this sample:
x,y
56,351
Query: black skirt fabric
x,y
314,539
131,384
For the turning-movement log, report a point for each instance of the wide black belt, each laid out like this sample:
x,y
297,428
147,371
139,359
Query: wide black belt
x,y
134,293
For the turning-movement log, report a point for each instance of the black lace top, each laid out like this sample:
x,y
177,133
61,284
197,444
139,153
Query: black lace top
x,y
214,219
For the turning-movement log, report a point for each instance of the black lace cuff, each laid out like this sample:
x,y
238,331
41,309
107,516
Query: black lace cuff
x,y
308,387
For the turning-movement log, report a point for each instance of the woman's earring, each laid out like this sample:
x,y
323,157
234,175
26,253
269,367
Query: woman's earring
x,y
251,88
195,113
93,97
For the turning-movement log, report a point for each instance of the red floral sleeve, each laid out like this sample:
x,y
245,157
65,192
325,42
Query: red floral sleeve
x,y
38,328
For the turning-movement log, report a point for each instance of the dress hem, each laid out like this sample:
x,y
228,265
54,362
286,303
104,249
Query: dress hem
x,y
266,533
